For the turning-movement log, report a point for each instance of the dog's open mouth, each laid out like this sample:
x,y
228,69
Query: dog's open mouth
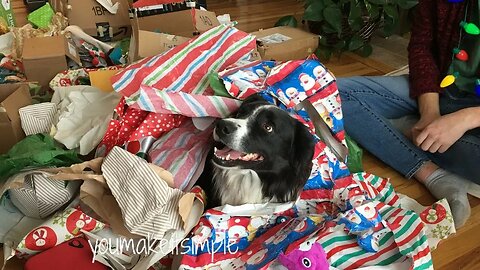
x,y
227,156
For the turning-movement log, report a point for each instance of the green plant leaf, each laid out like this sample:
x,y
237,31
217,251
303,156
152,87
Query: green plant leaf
x,y
391,12
389,26
287,21
309,2
407,4
373,10
314,11
366,50
323,41
357,25
323,53
355,43
333,16
355,12
340,45
378,2
328,29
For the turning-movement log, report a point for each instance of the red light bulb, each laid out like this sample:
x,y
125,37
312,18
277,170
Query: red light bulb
x,y
461,55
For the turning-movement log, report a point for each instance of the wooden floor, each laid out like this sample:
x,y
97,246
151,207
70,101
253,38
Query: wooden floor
x,y
461,251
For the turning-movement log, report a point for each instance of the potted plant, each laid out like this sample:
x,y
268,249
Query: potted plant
x,y
347,25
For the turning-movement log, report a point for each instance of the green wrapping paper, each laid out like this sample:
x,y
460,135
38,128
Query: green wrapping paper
x,y
35,151
355,153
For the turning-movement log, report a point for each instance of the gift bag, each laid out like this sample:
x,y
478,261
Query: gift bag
x,y
74,254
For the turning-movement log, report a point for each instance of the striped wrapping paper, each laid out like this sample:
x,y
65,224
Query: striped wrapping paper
x,y
191,105
37,118
182,152
185,68
149,206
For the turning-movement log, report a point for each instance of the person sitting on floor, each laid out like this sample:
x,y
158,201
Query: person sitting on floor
x,y
442,150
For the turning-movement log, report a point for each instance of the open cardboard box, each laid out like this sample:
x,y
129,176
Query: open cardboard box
x,y
12,98
45,57
285,43
155,34
96,20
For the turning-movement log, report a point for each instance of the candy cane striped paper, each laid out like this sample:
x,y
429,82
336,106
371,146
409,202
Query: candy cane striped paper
x,y
185,68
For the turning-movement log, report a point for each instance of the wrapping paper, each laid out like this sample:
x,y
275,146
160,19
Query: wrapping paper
x,y
167,88
35,151
83,116
185,68
437,218
73,77
62,226
149,206
356,218
37,118
39,196
245,79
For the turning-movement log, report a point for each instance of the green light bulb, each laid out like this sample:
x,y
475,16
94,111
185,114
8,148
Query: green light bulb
x,y
470,28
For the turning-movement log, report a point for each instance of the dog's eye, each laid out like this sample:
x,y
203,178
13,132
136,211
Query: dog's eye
x,y
267,127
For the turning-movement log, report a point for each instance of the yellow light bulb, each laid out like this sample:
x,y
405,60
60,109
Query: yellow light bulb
x,y
448,80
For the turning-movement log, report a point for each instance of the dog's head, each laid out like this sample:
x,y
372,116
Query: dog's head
x,y
266,139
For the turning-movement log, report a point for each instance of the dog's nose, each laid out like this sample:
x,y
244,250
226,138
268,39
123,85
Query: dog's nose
x,y
226,127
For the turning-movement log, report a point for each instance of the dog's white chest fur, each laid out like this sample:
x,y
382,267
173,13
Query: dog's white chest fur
x,y
238,186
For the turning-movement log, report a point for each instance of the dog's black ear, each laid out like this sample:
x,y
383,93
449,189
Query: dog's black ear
x,y
254,98
302,149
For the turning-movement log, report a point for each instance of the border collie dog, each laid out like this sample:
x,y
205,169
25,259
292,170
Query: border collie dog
x,y
260,155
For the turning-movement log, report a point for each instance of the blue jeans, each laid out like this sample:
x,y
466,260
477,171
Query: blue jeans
x,y
369,102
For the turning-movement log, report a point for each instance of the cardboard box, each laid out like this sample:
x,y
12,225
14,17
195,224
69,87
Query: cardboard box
x,y
145,43
285,43
179,23
44,57
12,98
155,34
96,20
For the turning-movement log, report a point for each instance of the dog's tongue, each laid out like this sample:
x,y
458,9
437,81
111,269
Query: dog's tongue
x,y
228,151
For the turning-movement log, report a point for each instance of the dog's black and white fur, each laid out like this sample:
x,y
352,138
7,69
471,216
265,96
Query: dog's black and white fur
x,y
262,154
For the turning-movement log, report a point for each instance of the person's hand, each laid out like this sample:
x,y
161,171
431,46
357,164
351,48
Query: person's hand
x,y
425,120
441,132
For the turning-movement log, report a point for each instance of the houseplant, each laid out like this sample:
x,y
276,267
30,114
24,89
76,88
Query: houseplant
x,y
347,25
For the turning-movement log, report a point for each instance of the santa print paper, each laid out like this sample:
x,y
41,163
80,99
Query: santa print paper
x,y
59,228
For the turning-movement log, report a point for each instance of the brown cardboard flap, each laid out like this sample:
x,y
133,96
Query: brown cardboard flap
x,y
6,89
18,99
43,47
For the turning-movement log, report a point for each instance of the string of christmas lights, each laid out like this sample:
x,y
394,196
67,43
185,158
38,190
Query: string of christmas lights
x,y
469,28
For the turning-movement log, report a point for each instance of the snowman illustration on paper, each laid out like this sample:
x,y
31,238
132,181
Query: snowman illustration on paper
x,y
294,95
322,76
